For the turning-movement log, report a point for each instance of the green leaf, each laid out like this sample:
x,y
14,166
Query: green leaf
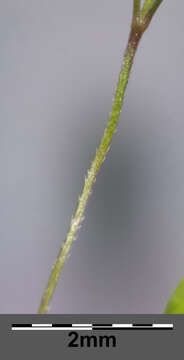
x,y
176,302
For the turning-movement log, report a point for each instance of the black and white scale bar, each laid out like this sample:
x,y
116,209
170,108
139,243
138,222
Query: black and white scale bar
x,y
94,326
153,326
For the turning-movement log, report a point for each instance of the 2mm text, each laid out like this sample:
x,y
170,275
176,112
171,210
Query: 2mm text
x,y
77,340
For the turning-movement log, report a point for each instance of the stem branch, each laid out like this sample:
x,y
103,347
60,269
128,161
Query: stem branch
x,y
149,8
137,4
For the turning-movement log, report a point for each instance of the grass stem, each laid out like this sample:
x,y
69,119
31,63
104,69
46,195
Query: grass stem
x,y
135,35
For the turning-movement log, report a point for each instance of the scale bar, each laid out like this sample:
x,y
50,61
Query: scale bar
x,y
51,328
90,327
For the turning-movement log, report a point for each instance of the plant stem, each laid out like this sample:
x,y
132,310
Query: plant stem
x,y
149,7
137,4
146,6
137,29
91,176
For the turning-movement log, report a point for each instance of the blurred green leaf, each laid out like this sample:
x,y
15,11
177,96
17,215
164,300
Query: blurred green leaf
x,y
176,302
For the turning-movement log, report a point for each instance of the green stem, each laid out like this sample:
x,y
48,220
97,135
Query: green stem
x,y
146,6
149,7
137,4
134,38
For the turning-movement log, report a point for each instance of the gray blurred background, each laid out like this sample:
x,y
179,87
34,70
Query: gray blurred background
x,y
59,65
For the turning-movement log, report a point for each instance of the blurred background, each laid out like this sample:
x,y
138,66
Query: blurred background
x,y
59,66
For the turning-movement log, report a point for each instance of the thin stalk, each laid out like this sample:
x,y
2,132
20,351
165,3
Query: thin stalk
x,y
137,4
149,8
136,32
146,6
